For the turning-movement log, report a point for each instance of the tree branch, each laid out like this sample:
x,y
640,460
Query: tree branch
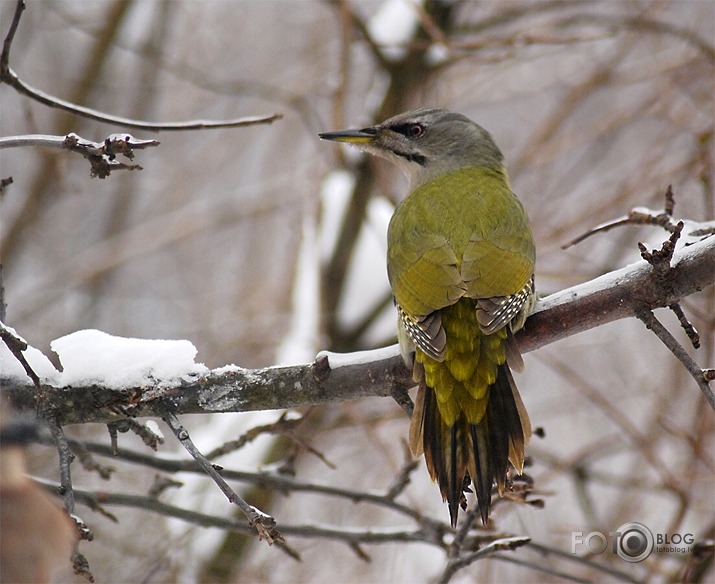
x,y
620,294
652,323
273,480
505,544
264,524
101,155
204,520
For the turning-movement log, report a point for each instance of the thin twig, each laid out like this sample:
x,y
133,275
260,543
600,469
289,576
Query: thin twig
x,y
661,258
603,227
463,531
403,478
647,25
7,43
113,437
4,183
688,327
652,323
227,522
80,563
161,484
16,345
584,561
638,216
151,438
265,524
280,427
8,76
504,544
66,457
359,552
539,567
89,463
402,398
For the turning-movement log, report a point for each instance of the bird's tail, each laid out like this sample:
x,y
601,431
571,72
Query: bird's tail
x,y
480,452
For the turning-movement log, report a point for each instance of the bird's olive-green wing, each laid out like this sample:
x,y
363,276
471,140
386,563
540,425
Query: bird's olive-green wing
x,y
498,267
426,277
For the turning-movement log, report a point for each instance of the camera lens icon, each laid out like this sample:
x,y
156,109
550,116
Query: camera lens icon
x,y
635,543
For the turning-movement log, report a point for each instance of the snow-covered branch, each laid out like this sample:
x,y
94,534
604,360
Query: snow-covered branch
x,y
102,156
79,396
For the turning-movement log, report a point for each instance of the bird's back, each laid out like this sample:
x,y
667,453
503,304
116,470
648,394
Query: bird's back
x,y
464,233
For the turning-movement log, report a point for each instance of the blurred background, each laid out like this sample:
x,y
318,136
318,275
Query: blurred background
x,y
264,245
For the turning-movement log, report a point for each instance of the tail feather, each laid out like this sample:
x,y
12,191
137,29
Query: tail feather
x,y
516,418
417,423
456,469
478,451
483,468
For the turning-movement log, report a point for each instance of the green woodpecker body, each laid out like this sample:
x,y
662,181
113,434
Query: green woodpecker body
x,y
460,259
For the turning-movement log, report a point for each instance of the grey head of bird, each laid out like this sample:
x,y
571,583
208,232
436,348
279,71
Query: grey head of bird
x,y
426,143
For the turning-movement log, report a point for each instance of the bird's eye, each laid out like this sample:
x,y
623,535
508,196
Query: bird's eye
x,y
415,130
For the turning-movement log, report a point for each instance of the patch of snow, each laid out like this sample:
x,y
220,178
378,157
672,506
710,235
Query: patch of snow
x,y
153,427
359,357
300,341
394,25
334,198
95,357
227,369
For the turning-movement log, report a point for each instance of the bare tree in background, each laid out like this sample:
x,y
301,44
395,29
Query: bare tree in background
x,y
263,246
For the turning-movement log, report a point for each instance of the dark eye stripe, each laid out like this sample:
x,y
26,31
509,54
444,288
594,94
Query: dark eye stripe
x,y
411,130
